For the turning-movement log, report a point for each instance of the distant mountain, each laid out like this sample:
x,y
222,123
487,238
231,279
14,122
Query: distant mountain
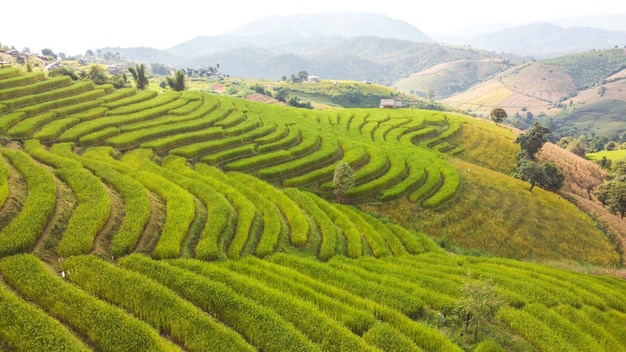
x,y
610,22
144,55
380,60
544,40
343,24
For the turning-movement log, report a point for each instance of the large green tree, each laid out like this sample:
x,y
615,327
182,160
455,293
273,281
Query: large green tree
x,y
544,175
139,75
532,140
612,194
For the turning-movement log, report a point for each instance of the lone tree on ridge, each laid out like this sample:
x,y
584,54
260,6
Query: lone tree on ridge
x,y
498,115
343,180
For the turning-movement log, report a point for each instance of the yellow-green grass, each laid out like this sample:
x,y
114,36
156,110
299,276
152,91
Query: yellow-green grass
x,y
4,181
155,304
288,301
114,330
179,202
268,330
135,197
23,230
613,155
486,144
495,214
306,316
25,327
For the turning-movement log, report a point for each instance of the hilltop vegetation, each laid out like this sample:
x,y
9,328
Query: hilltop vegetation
x,y
190,221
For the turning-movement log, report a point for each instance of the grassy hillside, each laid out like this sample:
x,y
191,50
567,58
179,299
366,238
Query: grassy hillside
x,y
534,87
603,118
341,93
583,176
590,68
448,78
189,221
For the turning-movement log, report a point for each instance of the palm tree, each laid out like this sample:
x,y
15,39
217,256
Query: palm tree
x,y
139,75
178,82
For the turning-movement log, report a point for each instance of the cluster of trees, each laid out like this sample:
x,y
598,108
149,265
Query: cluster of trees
x,y
96,73
205,72
301,76
542,174
282,94
99,75
612,193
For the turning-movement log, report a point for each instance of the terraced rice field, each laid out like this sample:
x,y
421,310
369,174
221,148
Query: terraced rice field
x,y
132,221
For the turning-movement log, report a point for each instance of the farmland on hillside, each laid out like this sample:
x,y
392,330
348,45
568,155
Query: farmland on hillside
x,y
136,220
532,87
448,78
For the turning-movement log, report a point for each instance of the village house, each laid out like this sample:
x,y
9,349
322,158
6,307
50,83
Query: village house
x,y
390,104
313,79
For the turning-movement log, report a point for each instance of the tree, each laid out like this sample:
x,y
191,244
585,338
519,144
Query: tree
x,y
612,145
619,168
480,302
177,83
98,74
48,52
532,140
431,94
605,163
63,71
612,194
159,69
343,180
544,175
139,75
303,76
529,171
498,115
552,179
281,94
120,81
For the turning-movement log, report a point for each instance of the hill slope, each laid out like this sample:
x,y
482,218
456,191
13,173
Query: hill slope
x,y
188,221
583,93
285,146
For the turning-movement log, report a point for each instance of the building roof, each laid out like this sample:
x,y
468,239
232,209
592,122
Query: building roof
x,y
390,103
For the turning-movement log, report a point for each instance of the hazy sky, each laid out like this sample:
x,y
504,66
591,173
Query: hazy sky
x,y
73,26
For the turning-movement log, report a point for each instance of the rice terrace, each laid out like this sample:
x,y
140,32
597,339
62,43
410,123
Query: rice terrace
x,y
134,220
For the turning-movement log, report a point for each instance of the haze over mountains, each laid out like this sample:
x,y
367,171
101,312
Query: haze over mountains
x,y
274,46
